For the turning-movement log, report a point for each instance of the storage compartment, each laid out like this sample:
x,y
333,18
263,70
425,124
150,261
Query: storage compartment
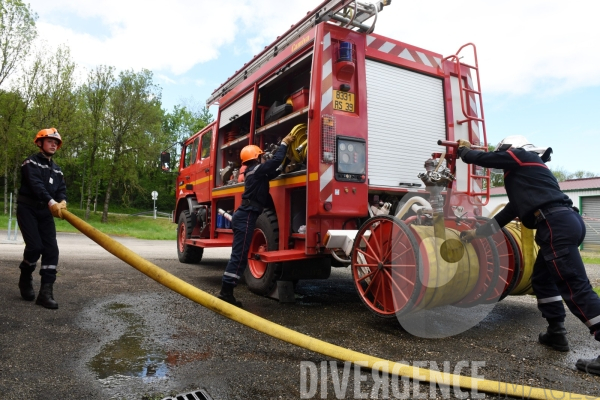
x,y
298,210
276,111
299,99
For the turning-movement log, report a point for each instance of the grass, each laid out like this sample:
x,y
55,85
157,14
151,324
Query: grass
x,y
118,225
590,258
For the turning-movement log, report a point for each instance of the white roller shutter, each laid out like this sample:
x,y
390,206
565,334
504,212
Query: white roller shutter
x,y
406,119
239,108
590,209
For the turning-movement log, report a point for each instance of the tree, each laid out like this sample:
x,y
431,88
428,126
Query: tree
x,y
582,175
134,116
560,174
17,32
12,113
95,103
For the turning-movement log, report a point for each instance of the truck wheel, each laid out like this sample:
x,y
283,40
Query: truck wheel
x,y
261,277
187,254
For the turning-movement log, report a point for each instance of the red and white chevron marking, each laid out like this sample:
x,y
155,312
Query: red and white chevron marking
x,y
397,49
326,171
327,76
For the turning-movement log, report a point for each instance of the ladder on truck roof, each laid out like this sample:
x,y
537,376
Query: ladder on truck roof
x,y
349,14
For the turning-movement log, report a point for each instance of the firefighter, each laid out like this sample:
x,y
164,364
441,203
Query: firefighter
x,y
255,198
534,196
42,195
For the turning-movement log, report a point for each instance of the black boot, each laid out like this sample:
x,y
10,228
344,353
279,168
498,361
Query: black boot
x,y
227,295
555,336
26,281
590,366
45,298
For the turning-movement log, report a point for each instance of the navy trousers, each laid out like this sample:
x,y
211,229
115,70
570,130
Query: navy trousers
x,y
559,273
39,233
242,223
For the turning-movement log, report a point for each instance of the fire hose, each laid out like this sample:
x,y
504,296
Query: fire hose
x,y
288,335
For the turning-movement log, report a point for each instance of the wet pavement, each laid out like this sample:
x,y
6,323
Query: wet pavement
x,y
120,335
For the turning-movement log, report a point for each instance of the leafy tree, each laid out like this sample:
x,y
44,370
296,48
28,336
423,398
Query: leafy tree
x,y
95,104
560,174
12,113
582,174
17,32
134,116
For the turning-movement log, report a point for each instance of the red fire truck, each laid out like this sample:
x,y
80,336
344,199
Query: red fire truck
x,y
367,112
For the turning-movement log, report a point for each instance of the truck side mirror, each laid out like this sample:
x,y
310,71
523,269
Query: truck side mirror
x,y
165,161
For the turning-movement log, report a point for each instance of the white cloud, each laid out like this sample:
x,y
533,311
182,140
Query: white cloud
x,y
531,46
543,46
146,34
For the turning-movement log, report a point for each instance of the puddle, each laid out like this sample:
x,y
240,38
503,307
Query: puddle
x,y
132,354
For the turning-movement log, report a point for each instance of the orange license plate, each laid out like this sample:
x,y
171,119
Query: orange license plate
x,y
343,101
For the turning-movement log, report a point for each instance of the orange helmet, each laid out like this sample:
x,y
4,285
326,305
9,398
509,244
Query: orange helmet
x,y
48,133
250,152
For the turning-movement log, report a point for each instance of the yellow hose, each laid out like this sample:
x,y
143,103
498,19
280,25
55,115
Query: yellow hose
x,y
277,331
525,246
300,139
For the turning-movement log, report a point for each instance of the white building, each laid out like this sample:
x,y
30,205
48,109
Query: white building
x,y
585,194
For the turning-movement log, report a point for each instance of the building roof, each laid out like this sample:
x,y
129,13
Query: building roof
x,y
568,185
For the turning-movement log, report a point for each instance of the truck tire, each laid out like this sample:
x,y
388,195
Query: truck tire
x,y
261,277
187,254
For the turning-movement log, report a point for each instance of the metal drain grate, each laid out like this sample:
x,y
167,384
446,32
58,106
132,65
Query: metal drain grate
x,y
199,394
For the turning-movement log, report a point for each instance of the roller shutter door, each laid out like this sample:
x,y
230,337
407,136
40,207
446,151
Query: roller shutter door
x,y
406,119
237,109
590,209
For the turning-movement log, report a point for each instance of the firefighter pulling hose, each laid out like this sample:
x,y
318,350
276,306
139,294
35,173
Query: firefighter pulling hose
x,y
279,332
536,199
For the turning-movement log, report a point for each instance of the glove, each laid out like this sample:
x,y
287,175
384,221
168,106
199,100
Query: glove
x,y
56,208
468,236
287,140
464,143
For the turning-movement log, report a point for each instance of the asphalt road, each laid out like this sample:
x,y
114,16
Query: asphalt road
x,y
120,335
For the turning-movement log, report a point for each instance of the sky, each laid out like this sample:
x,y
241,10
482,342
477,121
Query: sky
x,y
538,59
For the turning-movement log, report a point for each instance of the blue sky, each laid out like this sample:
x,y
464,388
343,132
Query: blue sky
x,y
539,59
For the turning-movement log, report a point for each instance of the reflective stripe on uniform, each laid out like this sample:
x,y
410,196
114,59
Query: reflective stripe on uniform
x,y
42,166
48,267
549,300
248,173
593,321
231,275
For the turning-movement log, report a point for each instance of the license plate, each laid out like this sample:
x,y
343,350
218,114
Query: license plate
x,y
343,101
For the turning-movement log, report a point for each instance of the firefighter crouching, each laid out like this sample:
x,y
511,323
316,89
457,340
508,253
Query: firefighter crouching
x,y
42,195
534,196
255,198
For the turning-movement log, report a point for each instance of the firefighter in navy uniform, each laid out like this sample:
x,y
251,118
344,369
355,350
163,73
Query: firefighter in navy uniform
x,y
255,198
534,196
42,195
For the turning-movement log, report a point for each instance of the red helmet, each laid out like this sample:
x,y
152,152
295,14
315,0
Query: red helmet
x,y
250,152
48,133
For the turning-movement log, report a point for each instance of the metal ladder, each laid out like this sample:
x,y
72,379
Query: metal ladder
x,y
349,14
472,118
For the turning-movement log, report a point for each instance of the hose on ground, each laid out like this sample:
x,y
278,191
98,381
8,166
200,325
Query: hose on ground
x,y
280,332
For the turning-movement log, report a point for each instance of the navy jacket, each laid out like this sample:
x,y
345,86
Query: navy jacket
x,y
42,180
529,183
256,181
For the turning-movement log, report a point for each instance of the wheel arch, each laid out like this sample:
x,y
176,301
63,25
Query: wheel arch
x,y
188,204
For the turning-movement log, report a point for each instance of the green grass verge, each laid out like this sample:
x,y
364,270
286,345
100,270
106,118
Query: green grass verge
x,y
117,225
591,260
597,290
